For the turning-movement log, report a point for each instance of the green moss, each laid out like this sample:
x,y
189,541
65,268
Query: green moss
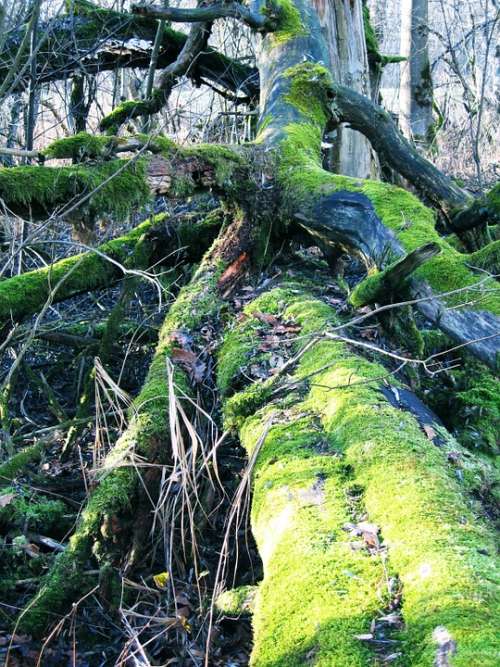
x,y
493,200
33,512
237,601
310,84
487,258
369,289
119,186
439,545
372,45
318,593
25,294
81,146
289,23
16,463
413,223
128,110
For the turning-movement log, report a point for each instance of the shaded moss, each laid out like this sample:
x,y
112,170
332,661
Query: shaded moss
x,y
16,463
147,436
33,512
116,187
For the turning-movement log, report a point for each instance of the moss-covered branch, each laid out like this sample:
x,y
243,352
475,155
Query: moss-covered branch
x,y
25,294
91,33
119,186
114,188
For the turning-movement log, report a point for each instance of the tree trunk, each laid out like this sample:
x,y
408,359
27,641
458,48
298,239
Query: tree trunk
x,y
343,29
416,93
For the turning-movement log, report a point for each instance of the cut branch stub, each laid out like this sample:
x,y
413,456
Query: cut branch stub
x,y
382,286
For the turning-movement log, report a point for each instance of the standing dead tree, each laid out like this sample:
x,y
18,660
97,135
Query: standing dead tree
x,y
333,440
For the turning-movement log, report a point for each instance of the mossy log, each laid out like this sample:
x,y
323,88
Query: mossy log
x,y
117,186
105,40
25,294
15,464
345,449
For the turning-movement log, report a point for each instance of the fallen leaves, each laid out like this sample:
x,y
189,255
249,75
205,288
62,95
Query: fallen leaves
x,y
184,355
191,362
161,580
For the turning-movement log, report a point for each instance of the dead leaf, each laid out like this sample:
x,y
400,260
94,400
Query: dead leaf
x,y
429,431
369,334
267,318
6,499
161,580
369,532
190,360
232,271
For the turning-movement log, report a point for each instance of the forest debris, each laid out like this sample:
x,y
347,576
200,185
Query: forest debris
x,y
161,579
368,531
233,271
429,431
46,541
195,367
447,646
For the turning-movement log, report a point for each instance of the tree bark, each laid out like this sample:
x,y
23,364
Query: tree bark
x,y
416,91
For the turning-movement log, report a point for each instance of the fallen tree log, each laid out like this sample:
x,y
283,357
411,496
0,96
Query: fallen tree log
x,y
350,489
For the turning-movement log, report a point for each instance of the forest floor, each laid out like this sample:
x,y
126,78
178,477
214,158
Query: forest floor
x,y
39,509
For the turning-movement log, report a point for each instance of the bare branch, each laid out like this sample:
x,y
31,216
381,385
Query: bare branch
x,y
261,22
